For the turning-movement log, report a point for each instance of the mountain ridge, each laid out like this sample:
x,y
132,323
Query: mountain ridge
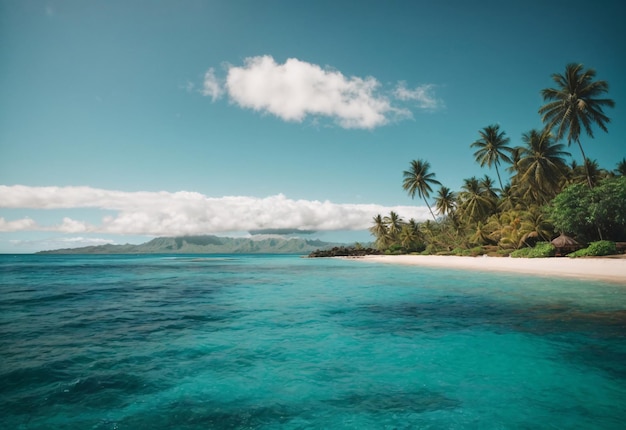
x,y
206,244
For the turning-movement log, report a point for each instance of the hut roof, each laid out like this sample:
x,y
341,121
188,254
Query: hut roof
x,y
564,240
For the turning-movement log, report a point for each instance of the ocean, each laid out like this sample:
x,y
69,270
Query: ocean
x,y
283,342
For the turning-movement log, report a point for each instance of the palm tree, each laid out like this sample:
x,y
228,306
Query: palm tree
x,y
488,190
590,172
621,167
410,236
414,225
419,180
576,174
445,202
394,225
575,105
379,231
474,203
535,226
427,229
541,165
515,157
480,235
508,198
415,233
595,172
507,229
492,148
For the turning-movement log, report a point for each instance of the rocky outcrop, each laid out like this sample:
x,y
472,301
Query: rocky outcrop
x,y
342,251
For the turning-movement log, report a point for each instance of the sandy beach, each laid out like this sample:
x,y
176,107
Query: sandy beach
x,y
611,269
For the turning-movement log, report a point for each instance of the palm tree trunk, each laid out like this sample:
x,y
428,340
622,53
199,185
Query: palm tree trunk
x,y
585,164
588,179
498,173
431,211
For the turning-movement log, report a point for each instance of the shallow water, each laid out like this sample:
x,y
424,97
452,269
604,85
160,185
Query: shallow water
x,y
230,342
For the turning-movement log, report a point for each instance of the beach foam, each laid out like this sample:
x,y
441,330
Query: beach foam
x,y
607,269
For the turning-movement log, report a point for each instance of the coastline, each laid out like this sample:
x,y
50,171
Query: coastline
x,y
597,268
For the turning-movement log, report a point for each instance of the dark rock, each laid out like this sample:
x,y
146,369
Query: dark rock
x,y
342,251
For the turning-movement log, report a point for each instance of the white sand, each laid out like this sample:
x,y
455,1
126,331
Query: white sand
x,y
607,269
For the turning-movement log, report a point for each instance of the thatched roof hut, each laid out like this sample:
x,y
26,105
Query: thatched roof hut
x,y
565,244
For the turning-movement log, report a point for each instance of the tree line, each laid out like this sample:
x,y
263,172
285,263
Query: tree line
x,y
545,196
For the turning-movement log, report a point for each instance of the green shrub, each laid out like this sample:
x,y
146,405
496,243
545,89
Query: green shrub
x,y
602,247
476,251
430,250
395,249
596,249
541,250
579,253
521,253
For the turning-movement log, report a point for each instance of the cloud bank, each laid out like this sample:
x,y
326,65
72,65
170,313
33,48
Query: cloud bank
x,y
187,213
296,90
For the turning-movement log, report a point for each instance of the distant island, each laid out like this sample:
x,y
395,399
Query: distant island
x,y
207,244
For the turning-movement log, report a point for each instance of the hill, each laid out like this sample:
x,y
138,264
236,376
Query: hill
x,y
206,245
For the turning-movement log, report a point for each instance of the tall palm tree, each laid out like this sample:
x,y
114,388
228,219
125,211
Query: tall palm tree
x,y
418,180
445,202
492,148
594,172
588,172
576,104
541,165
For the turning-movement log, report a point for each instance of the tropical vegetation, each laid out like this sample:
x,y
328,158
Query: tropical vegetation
x,y
546,193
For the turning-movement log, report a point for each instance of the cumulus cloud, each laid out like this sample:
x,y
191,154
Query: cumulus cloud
x,y
211,86
423,95
23,224
296,90
185,213
72,226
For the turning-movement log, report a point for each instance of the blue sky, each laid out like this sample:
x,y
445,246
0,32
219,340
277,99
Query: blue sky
x,y
125,120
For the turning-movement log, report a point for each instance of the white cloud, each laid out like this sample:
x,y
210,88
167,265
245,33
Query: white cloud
x,y
190,87
72,226
23,224
211,86
180,213
84,241
297,90
423,95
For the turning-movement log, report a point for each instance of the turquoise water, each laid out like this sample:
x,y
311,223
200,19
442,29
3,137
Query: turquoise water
x,y
269,342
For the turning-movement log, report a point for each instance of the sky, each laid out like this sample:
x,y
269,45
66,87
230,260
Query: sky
x,y
121,121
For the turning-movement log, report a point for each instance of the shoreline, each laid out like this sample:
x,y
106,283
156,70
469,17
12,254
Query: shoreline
x,y
596,268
